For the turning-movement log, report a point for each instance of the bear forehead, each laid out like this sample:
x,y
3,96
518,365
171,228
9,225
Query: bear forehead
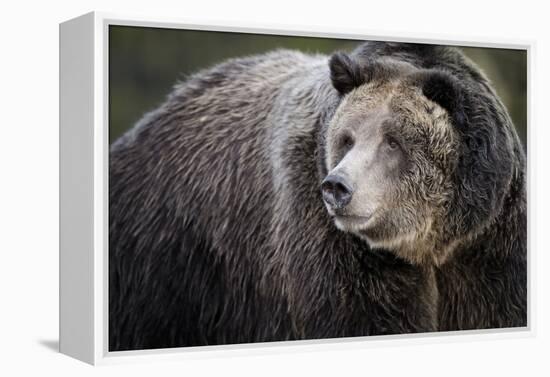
x,y
402,103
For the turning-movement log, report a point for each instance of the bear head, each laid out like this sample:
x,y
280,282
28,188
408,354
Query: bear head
x,y
419,153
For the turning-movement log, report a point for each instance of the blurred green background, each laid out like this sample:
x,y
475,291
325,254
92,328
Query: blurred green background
x,y
145,63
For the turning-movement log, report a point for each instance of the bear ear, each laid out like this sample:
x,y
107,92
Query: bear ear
x,y
345,73
445,90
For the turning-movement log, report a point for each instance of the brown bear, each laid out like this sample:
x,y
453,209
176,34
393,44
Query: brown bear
x,y
290,196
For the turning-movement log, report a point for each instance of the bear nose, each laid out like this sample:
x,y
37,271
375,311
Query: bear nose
x,y
336,191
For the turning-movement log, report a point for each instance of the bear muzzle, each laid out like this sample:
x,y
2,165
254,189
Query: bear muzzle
x,y
337,192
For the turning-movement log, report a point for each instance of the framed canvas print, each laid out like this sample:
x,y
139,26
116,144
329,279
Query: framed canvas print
x,y
226,188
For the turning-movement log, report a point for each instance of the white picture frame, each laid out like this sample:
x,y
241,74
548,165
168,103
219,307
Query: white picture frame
x,y
84,148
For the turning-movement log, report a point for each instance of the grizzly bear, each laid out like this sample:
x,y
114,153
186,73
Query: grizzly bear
x,y
290,196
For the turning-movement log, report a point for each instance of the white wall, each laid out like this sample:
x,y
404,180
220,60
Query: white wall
x,y
29,186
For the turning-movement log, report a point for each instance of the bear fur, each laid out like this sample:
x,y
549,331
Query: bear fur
x,y
218,233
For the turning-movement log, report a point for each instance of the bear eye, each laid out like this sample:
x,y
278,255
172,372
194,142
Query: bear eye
x,y
347,142
392,143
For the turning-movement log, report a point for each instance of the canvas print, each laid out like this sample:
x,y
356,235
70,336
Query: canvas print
x,y
276,188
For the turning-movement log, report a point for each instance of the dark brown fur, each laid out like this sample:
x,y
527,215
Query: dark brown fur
x,y
218,233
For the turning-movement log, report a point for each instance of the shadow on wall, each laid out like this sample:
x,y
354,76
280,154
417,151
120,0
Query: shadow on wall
x,y
145,63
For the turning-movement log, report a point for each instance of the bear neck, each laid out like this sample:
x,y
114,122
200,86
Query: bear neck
x,y
506,233
486,276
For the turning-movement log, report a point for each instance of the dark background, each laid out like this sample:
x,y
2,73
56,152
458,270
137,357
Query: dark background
x,y
145,63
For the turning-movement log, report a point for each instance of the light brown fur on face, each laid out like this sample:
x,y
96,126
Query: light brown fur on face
x,y
399,163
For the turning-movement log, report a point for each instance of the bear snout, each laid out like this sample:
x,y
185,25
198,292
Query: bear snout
x,y
337,193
